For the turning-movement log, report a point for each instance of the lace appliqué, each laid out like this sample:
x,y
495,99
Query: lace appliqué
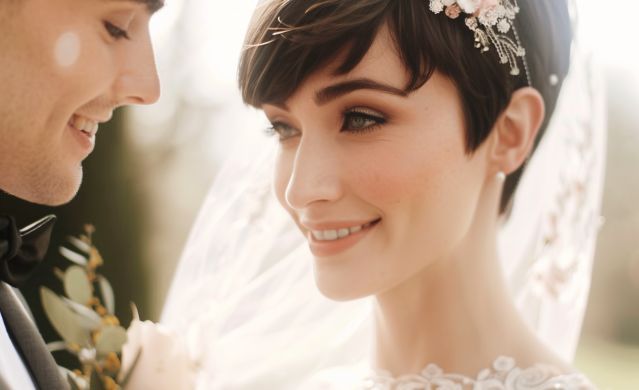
x,y
504,375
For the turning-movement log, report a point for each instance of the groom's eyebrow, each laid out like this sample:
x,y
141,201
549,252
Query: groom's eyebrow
x,y
151,5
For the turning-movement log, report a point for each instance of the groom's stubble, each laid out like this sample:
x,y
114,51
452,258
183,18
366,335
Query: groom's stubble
x,y
60,63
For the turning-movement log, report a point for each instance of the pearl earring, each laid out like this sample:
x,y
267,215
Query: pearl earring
x,y
501,176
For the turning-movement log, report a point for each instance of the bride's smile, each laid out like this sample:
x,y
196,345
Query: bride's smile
x,y
331,238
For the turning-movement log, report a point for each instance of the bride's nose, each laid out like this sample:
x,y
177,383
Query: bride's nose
x,y
316,174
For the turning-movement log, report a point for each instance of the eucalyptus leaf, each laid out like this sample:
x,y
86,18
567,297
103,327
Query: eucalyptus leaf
x,y
96,381
77,285
55,346
81,245
111,339
73,257
107,294
64,320
87,318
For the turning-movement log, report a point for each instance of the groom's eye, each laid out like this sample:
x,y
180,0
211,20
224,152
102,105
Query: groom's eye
x,y
115,32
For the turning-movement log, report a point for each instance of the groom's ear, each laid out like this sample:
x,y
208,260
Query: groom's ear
x,y
516,129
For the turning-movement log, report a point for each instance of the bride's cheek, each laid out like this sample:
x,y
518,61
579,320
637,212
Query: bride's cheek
x,y
393,178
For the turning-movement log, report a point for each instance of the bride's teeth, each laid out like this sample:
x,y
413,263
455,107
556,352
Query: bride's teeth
x,y
355,229
332,235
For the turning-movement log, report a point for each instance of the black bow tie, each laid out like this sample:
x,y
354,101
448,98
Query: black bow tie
x,y
21,250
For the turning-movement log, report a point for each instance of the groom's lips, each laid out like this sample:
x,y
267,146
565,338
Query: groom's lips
x,y
84,136
85,142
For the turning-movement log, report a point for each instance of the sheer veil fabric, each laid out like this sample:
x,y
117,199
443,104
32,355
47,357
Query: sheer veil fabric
x,y
547,245
245,303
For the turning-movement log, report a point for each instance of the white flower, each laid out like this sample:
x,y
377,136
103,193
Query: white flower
x,y
87,355
503,26
475,6
436,6
448,3
163,362
469,6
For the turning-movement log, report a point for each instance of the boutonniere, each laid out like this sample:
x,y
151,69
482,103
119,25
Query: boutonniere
x,y
110,356
84,317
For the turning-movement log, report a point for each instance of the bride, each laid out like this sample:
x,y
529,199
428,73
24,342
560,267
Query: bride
x,y
405,130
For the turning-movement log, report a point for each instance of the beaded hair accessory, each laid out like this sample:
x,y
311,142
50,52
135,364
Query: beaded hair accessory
x,y
490,21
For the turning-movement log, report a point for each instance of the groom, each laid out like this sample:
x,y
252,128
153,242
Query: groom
x,y
65,65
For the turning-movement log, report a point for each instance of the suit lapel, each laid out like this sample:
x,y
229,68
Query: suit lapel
x,y
29,343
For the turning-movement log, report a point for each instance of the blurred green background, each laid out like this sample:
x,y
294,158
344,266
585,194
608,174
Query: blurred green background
x,y
609,347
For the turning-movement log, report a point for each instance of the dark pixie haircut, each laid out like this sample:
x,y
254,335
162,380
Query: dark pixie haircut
x,y
289,40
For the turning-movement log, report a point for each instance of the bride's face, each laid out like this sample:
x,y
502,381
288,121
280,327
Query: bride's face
x,y
377,180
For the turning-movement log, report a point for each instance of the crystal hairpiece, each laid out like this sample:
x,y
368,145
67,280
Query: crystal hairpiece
x,y
491,21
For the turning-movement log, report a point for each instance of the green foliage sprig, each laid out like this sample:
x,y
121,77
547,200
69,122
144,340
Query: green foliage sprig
x,y
85,318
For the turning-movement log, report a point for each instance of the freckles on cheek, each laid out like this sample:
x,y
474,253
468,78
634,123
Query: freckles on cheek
x,y
386,182
421,179
67,49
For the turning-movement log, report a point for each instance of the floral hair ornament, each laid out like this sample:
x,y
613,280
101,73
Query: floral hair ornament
x,y
490,21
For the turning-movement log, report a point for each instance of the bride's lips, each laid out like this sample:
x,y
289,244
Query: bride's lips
x,y
331,247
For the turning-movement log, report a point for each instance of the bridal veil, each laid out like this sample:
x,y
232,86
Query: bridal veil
x,y
245,303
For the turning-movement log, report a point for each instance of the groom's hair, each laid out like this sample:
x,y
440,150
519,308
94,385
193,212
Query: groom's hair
x,y
289,40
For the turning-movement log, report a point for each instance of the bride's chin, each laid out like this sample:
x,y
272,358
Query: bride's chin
x,y
339,288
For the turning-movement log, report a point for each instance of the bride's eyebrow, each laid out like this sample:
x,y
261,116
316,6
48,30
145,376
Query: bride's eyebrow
x,y
332,92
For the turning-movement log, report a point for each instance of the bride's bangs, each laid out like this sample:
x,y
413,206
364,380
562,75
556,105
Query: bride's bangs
x,y
289,40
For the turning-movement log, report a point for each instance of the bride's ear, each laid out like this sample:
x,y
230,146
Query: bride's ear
x,y
515,131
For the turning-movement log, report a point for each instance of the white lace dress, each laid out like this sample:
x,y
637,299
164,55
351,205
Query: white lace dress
x,y
503,375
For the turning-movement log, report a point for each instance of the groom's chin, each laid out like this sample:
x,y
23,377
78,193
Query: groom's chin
x,y
55,190
67,190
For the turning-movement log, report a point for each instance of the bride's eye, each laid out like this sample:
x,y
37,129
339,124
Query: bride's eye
x,y
283,130
359,120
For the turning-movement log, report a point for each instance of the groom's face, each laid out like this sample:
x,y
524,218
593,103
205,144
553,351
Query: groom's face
x,y
65,65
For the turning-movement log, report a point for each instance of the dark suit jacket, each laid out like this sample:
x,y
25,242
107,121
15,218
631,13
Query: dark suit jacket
x,y
29,344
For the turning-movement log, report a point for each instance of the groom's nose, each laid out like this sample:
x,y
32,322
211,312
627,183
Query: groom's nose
x,y
138,81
